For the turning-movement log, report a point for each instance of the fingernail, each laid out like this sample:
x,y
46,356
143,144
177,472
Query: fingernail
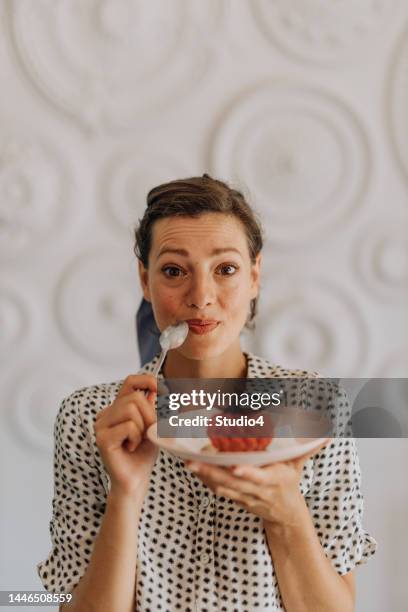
x,y
237,471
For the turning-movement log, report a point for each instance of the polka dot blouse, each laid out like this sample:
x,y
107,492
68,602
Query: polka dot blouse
x,y
197,551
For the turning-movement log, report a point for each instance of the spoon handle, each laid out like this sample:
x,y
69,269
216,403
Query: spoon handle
x,y
160,362
158,365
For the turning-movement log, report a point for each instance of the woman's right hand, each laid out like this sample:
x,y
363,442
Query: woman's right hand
x,y
119,430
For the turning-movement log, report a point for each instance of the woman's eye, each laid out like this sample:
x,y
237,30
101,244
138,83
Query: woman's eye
x,y
174,269
229,266
173,272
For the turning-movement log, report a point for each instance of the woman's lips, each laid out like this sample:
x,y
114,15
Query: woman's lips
x,y
201,328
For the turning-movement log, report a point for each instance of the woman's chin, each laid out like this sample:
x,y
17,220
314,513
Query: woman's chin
x,y
199,349
199,352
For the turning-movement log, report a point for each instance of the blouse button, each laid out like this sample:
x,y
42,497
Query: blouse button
x,y
205,502
205,558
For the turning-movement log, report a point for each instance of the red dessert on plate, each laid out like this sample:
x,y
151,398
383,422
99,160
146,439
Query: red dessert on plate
x,y
241,433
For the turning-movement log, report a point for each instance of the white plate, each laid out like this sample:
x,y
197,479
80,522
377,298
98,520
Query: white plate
x,y
280,449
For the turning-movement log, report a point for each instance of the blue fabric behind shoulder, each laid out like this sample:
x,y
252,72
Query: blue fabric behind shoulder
x,y
147,332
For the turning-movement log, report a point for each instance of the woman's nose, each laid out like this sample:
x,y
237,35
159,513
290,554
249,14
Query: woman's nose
x,y
201,292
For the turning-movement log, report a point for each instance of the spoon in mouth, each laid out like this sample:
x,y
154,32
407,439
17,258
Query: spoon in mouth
x,y
172,337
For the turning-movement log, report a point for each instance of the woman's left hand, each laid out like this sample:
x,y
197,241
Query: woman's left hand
x,y
271,492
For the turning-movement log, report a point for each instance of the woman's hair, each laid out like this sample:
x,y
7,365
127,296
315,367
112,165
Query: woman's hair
x,y
192,197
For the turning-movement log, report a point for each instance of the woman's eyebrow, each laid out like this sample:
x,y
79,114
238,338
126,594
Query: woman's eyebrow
x,y
185,253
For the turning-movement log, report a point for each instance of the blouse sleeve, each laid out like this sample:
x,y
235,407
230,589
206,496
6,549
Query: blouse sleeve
x,y
336,504
78,504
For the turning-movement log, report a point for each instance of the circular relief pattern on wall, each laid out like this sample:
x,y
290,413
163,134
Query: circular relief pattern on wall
x,y
382,259
36,398
396,365
129,177
104,62
398,101
14,321
322,31
312,324
33,188
97,298
302,154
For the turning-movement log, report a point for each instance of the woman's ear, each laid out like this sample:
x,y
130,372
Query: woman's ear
x,y
255,276
144,280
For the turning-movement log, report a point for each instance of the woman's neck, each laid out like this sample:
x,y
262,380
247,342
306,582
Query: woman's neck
x,y
232,363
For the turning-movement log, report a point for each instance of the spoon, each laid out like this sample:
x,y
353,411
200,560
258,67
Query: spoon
x,y
172,337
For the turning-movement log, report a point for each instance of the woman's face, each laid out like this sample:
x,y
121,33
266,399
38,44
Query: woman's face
x,y
200,268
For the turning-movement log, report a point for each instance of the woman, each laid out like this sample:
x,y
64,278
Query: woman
x,y
136,528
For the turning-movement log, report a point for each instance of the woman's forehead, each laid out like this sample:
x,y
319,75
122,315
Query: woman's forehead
x,y
212,230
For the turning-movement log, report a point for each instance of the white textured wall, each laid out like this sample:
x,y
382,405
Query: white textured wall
x,y
303,104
